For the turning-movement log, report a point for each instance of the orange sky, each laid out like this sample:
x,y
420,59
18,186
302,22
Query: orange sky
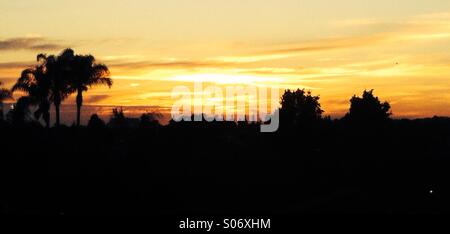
x,y
335,48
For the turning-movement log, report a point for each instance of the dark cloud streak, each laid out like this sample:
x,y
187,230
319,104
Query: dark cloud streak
x,y
172,64
96,98
29,43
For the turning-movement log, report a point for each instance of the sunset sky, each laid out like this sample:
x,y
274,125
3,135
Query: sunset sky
x,y
334,48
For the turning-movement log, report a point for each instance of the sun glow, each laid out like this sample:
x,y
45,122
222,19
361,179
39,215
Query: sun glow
x,y
225,79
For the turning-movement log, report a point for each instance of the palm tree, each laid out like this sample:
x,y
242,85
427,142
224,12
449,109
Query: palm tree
x,y
36,83
4,95
59,70
56,77
87,73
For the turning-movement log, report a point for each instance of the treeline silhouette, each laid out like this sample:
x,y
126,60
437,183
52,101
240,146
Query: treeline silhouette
x,y
363,162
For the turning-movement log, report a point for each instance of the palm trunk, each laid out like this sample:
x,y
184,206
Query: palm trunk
x,y
1,111
45,106
57,103
47,119
79,104
57,106
57,111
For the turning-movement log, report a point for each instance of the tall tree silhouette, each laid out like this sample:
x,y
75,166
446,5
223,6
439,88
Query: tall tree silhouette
x,y
87,73
368,108
59,70
5,94
300,107
36,83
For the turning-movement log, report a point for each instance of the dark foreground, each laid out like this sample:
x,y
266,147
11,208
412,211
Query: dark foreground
x,y
401,166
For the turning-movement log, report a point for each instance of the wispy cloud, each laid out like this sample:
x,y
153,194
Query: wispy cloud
x,y
133,67
33,43
321,45
15,65
376,32
92,99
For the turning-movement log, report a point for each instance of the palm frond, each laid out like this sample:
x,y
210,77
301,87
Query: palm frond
x,y
41,57
100,75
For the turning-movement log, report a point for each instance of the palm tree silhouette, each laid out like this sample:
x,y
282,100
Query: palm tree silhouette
x,y
56,77
87,73
5,94
59,71
36,83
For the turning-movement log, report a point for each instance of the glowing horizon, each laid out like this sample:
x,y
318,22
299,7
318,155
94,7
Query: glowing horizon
x,y
336,49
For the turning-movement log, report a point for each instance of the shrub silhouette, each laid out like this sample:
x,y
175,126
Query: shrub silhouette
x,y
149,120
20,113
117,118
120,121
95,122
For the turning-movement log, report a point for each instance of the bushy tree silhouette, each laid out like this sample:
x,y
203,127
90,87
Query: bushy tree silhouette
x,y
368,108
299,107
5,94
